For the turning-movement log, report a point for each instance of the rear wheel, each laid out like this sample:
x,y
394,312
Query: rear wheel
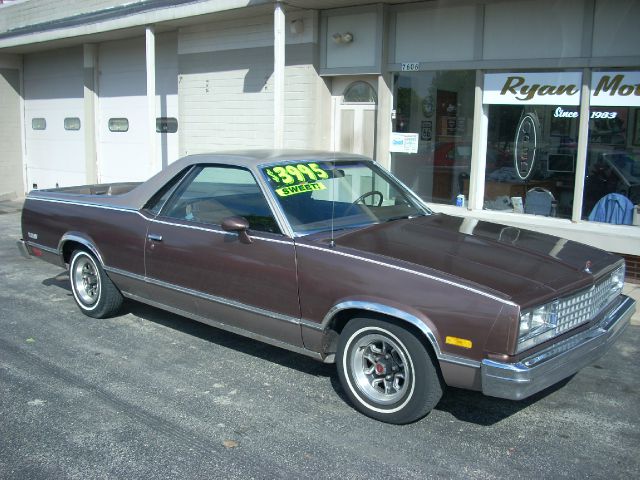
x,y
386,371
93,290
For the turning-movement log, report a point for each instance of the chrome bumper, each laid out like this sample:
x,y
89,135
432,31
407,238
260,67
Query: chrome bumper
x,y
516,381
22,246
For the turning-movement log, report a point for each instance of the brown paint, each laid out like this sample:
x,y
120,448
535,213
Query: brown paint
x,y
467,285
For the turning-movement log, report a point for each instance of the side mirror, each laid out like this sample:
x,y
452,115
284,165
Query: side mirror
x,y
240,225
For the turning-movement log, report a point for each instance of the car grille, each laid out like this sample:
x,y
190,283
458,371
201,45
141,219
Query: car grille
x,y
585,305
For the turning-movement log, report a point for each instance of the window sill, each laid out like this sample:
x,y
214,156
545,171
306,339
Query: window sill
x,y
615,238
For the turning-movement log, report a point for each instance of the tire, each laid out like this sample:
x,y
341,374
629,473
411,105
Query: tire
x,y
386,372
93,290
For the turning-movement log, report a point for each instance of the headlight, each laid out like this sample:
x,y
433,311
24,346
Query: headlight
x,y
617,281
610,288
537,325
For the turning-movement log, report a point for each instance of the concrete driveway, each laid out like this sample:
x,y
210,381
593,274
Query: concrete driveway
x,y
152,395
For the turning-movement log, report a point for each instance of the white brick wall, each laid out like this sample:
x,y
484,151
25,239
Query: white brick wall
x,y
226,87
301,122
217,114
11,180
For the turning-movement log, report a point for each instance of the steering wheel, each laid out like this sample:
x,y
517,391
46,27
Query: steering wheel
x,y
372,193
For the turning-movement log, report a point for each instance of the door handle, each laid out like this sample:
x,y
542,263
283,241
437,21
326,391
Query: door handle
x,y
154,237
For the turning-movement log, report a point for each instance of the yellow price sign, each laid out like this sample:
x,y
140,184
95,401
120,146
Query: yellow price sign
x,y
296,173
295,189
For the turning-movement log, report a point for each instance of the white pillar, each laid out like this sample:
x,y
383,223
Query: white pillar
x,y
383,122
150,57
583,144
89,125
479,150
278,75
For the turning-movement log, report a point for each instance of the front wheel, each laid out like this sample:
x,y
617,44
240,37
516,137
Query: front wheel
x,y
93,290
386,371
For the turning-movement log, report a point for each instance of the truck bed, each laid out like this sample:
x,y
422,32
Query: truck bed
x,y
96,189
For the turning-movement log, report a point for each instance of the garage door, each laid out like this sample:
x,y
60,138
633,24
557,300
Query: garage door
x,y
123,131
53,92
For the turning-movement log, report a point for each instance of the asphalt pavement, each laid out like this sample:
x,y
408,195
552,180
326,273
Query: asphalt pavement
x,y
153,395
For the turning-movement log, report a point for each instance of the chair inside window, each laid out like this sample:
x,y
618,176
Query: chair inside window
x,y
540,201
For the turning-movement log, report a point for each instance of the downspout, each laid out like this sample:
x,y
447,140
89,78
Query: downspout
x,y
150,62
278,75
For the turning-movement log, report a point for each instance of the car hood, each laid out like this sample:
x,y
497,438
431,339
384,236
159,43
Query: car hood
x,y
517,264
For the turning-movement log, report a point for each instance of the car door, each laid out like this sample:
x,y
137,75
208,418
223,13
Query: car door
x,y
193,265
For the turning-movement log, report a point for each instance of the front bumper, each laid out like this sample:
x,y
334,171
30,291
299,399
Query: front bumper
x,y
516,381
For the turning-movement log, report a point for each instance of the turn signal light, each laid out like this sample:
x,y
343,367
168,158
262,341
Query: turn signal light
x,y
458,342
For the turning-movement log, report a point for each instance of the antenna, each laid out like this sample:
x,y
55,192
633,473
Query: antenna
x,y
332,243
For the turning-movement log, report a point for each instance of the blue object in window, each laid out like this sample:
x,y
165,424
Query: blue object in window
x,y
613,208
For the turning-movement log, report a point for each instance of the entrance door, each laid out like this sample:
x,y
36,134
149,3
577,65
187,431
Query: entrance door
x,y
354,120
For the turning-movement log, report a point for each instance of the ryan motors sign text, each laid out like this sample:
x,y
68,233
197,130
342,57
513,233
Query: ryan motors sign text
x,y
549,88
615,89
608,89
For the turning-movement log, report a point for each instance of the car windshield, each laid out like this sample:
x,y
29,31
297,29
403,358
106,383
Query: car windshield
x,y
320,195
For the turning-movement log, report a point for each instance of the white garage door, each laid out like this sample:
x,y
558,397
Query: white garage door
x,y
123,130
53,92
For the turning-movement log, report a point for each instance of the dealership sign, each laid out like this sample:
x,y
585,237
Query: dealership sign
x,y
608,89
615,89
549,88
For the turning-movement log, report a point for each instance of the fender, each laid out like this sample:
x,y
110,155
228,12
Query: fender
x,y
81,239
402,315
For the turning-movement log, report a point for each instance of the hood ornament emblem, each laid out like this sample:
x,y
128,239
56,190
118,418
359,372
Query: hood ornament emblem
x,y
587,266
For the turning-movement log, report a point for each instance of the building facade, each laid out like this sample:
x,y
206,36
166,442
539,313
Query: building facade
x,y
520,112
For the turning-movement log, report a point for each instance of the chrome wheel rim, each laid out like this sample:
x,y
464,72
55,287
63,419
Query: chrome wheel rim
x,y
86,280
380,368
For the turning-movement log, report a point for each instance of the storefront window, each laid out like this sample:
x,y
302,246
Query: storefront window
x,y
432,132
531,156
531,142
612,180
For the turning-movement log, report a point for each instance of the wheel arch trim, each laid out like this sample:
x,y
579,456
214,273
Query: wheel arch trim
x,y
81,239
401,315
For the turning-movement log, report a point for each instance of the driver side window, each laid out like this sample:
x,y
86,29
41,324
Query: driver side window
x,y
213,193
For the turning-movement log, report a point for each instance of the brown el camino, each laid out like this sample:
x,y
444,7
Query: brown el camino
x,y
330,256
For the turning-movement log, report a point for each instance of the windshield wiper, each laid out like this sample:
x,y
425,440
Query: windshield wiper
x,y
405,217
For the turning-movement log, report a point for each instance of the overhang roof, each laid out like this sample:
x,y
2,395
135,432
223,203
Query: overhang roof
x,y
129,19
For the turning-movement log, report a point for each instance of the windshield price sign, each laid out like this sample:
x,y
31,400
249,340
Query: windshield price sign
x,y
297,178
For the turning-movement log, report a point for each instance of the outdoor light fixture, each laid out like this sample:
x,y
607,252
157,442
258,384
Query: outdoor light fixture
x,y
346,37
296,26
